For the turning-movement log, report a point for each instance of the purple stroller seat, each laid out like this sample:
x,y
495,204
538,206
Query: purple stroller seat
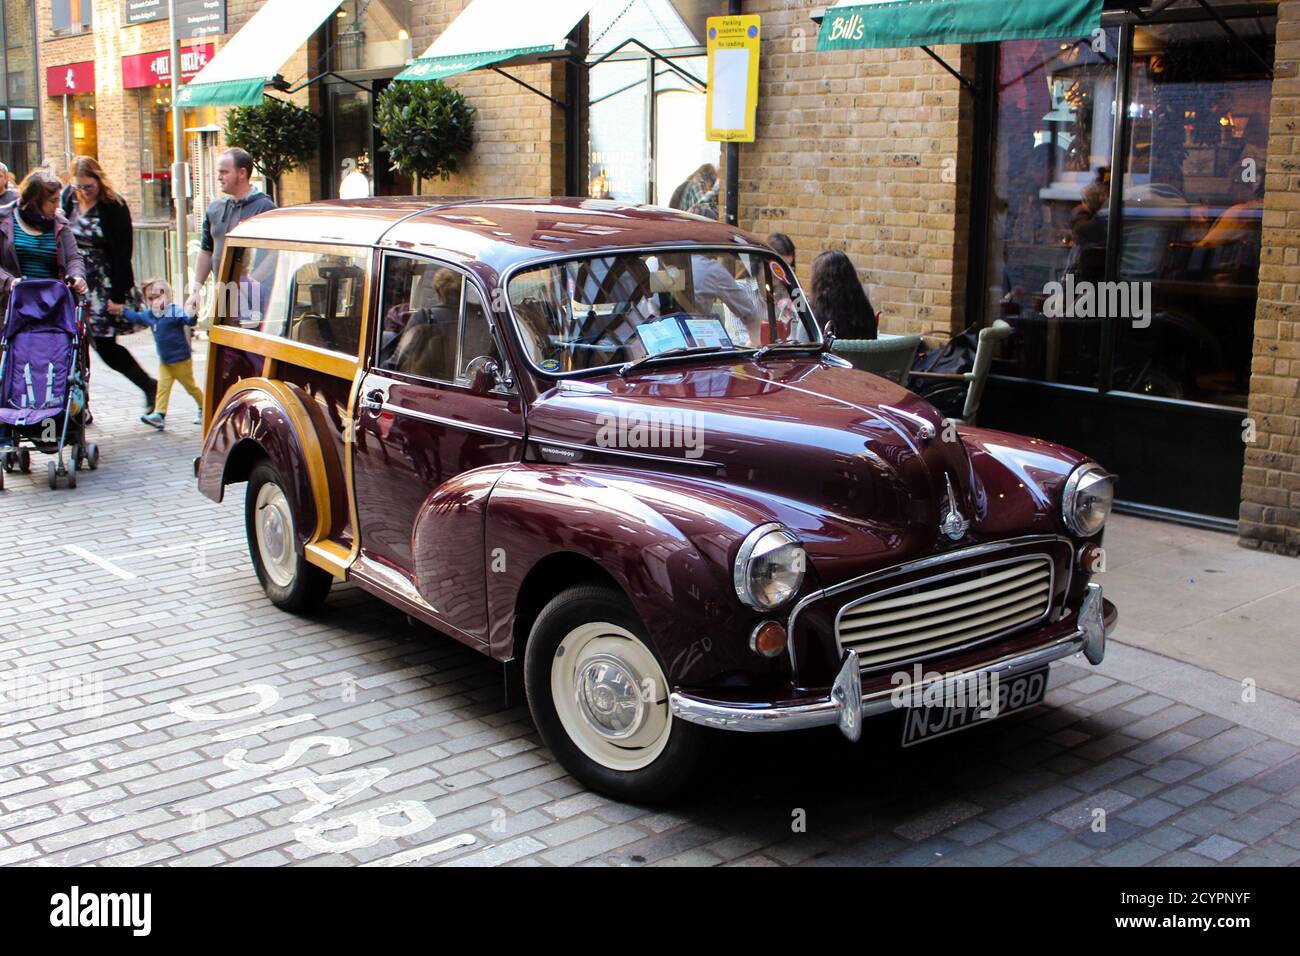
x,y
39,342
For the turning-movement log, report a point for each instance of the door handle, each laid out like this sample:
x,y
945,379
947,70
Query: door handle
x,y
373,400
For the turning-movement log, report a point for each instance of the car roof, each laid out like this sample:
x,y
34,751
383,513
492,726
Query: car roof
x,y
493,232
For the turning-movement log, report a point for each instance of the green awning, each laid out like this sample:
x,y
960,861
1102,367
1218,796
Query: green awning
x,y
437,67
254,55
882,24
498,31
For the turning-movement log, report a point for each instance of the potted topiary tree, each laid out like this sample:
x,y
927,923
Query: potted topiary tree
x,y
426,127
278,135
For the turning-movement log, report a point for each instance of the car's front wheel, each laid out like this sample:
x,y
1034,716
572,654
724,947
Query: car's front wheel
x,y
288,579
599,697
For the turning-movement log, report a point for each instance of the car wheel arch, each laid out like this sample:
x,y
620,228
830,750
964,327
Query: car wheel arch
x,y
546,579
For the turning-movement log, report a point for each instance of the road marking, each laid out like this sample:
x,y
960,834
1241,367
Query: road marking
x,y
96,560
420,852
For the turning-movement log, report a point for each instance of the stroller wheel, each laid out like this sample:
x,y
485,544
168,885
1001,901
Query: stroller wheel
x,y
72,476
2,479
24,461
92,456
53,474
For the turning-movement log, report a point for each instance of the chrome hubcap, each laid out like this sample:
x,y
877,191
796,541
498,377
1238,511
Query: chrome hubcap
x,y
610,696
274,525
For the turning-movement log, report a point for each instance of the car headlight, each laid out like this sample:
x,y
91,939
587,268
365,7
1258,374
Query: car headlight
x,y
1086,501
769,567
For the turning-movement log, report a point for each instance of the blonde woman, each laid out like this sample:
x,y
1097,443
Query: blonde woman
x,y
101,222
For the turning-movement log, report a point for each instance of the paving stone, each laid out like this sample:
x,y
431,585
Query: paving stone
x,y
1218,848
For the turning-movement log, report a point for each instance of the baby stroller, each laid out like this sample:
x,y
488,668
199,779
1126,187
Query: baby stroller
x,y
44,380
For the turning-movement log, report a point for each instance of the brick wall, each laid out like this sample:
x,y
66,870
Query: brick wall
x,y
1270,507
865,151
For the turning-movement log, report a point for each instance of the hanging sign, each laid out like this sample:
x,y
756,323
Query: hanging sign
x,y
70,79
732,46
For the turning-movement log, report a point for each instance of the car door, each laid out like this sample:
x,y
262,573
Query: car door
x,y
421,426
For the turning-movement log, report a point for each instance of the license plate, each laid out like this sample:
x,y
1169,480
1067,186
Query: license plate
x,y
924,723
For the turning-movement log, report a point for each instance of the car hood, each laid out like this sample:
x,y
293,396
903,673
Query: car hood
x,y
804,433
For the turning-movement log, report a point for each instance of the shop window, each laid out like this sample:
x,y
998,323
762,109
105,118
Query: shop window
x,y
371,35
1050,183
68,17
82,127
314,298
1193,209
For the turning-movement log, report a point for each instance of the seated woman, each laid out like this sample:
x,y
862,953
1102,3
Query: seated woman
x,y
838,300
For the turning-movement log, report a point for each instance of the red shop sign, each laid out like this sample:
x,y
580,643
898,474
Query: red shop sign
x,y
150,69
70,79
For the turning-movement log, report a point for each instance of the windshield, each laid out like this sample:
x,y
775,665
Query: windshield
x,y
609,310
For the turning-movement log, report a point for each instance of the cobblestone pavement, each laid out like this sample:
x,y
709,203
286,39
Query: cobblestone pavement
x,y
364,740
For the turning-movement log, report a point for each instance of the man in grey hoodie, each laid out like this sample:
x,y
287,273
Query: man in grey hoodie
x,y
242,201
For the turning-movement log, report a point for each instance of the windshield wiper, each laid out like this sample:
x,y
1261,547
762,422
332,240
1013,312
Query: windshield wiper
x,y
670,353
787,346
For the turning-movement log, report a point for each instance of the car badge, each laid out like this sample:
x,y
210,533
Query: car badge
x,y
953,524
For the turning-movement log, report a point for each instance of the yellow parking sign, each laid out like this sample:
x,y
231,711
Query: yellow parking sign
x,y
733,78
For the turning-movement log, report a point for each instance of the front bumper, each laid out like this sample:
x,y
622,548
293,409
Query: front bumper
x,y
846,705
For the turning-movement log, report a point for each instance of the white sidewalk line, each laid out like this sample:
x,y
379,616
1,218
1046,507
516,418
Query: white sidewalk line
x,y
96,560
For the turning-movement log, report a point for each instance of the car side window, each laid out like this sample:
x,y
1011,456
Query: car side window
x,y
420,325
315,298
476,339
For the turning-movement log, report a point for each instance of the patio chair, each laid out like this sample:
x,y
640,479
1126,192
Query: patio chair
x,y
890,356
973,381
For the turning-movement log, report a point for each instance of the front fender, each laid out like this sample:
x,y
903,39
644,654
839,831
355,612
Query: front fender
x,y
272,419
1018,482
669,542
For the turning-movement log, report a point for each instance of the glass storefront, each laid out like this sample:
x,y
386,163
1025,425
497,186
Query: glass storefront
x,y
1141,316
83,131
632,159
371,35
20,141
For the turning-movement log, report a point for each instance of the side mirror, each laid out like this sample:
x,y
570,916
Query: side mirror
x,y
484,374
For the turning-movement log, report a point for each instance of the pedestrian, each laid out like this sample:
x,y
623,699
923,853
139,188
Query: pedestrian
x,y
699,193
35,241
169,323
783,245
101,222
242,202
838,300
7,192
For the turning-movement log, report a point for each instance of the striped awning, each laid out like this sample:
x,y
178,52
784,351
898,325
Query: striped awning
x,y
241,69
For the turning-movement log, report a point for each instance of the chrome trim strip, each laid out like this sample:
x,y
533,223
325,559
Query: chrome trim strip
x,y
766,718
452,423
597,450
903,661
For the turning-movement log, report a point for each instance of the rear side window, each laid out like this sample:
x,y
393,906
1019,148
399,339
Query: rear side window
x,y
306,296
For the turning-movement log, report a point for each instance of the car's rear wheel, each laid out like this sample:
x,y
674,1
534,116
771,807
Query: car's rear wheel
x,y
289,580
599,697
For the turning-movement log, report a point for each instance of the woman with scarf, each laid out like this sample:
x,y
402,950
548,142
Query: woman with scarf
x,y
100,221
35,241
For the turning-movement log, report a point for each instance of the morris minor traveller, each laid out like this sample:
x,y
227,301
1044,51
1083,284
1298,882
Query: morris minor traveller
x,y
608,445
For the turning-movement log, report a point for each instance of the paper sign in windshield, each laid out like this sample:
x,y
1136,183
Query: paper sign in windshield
x,y
661,336
708,332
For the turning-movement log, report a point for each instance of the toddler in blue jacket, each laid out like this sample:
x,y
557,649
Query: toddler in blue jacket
x,y
169,322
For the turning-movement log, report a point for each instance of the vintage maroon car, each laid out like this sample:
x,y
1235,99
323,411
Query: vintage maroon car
x,y
609,443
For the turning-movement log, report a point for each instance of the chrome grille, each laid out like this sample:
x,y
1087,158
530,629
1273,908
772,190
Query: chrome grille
x,y
946,611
